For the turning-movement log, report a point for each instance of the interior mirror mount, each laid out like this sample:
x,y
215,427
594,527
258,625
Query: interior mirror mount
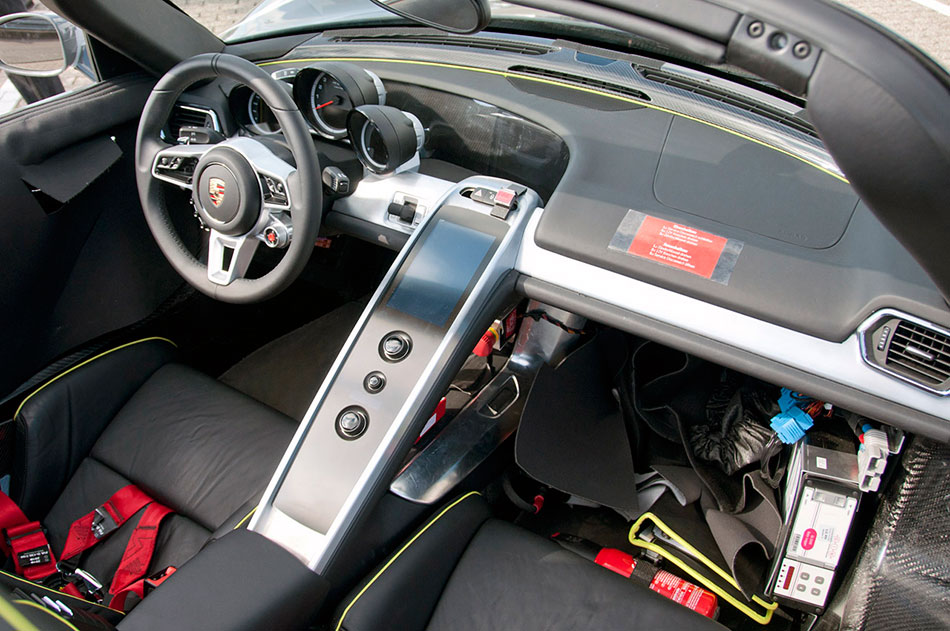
x,y
41,45
454,16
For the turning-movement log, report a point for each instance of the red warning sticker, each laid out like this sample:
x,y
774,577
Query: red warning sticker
x,y
677,245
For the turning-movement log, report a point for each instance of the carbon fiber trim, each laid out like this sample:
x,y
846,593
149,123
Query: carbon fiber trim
x,y
901,581
624,74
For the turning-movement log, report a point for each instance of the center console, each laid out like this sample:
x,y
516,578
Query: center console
x,y
439,296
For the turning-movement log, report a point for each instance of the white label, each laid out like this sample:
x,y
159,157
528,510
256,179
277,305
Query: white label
x,y
821,526
821,463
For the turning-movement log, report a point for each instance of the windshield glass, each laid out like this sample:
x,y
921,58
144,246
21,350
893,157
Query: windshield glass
x,y
924,23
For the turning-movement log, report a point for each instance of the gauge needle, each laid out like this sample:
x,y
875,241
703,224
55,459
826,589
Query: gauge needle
x,y
330,102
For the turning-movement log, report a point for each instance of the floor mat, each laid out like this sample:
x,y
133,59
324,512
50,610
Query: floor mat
x,y
286,373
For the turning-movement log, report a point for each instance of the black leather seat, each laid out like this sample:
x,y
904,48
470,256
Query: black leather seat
x,y
464,571
132,416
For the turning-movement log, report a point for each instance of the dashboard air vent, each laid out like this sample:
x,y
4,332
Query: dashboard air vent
x,y
483,43
728,97
190,115
587,82
911,350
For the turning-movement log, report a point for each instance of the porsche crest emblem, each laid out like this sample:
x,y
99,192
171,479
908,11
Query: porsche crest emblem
x,y
216,191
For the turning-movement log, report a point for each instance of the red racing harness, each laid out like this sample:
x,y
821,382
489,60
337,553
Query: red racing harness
x,y
25,541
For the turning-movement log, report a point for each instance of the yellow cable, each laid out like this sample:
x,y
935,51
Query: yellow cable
x,y
571,86
80,365
392,559
761,618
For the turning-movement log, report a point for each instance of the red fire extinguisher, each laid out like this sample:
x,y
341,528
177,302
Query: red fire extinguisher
x,y
662,582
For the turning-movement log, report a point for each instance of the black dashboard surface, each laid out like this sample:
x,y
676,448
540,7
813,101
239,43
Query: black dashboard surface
x,y
813,258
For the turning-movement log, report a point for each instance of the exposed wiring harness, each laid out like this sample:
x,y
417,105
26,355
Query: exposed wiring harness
x,y
538,314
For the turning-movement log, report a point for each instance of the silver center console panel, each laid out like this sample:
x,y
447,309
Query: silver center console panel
x,y
383,385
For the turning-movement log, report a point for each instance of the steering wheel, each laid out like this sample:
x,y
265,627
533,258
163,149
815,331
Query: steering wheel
x,y
243,193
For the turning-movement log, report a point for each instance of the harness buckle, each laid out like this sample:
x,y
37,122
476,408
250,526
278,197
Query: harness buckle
x,y
88,585
157,579
103,523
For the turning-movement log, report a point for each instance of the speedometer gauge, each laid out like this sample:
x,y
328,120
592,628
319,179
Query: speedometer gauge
x,y
330,105
327,92
262,119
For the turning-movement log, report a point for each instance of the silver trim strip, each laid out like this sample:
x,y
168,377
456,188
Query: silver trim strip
x,y
894,313
841,363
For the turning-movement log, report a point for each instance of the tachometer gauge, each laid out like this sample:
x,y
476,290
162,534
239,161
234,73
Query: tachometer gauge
x,y
261,118
327,92
330,105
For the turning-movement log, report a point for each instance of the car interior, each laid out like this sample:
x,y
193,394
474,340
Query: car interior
x,y
625,316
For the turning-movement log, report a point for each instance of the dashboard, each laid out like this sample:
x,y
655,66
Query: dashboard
x,y
781,271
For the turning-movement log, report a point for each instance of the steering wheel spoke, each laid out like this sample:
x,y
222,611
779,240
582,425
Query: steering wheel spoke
x,y
176,164
229,257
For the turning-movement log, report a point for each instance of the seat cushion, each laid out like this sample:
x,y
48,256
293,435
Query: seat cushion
x,y
509,578
195,445
463,571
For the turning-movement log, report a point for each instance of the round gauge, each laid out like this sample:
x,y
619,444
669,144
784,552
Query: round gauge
x,y
260,117
384,138
327,92
373,146
330,105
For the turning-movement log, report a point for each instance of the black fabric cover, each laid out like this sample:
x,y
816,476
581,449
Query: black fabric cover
x,y
572,434
404,594
240,582
58,425
509,578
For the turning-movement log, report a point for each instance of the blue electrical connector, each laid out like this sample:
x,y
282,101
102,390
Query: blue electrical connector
x,y
790,399
792,422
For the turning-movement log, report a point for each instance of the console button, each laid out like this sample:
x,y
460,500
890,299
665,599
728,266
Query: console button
x,y
395,346
374,382
351,423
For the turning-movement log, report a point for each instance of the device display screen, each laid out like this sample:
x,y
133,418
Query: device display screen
x,y
441,270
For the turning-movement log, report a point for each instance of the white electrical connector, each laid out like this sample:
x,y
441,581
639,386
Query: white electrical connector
x,y
872,459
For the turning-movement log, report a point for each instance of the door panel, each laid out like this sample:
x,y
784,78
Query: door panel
x,y
77,259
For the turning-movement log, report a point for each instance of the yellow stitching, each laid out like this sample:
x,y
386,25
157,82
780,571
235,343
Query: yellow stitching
x,y
30,603
14,618
53,591
392,559
91,359
246,517
507,75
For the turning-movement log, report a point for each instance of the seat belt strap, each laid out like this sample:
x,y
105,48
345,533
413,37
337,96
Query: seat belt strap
x,y
25,542
139,550
140,588
90,529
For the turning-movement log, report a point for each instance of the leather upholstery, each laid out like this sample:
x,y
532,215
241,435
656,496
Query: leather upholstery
x,y
470,573
195,445
405,589
58,424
